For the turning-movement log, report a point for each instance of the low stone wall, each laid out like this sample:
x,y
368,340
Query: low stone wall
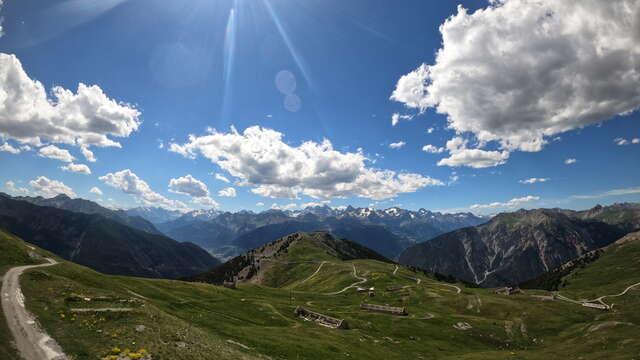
x,y
322,319
385,309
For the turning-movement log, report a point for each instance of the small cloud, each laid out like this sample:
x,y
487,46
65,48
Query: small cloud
x,y
88,154
635,141
430,130
222,178
8,148
509,204
95,190
395,118
397,145
269,115
570,161
453,179
14,190
227,192
433,149
621,141
56,153
77,168
259,204
275,206
534,180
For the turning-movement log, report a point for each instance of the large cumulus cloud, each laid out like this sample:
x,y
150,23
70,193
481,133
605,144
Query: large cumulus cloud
x,y
84,118
259,157
520,71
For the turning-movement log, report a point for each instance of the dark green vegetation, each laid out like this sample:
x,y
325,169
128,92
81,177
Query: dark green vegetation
x,y
101,243
519,246
181,320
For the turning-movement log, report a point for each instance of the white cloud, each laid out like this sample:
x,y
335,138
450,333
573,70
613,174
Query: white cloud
x,y
87,117
534,180
397,145
432,149
8,148
509,204
621,141
77,168
275,206
188,185
521,71
49,188
96,190
14,190
430,130
259,204
615,192
227,192
196,189
259,157
54,152
570,161
222,178
88,154
460,155
395,118
129,183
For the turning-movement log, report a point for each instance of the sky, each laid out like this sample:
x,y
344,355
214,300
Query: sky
x,y
256,104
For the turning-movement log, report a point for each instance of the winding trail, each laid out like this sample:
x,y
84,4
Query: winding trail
x,y
32,342
395,270
315,273
620,294
600,299
355,275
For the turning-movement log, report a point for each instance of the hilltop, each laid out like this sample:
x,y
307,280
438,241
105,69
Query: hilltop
x,y
273,264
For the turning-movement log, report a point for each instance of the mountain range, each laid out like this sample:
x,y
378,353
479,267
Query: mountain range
x,y
99,239
388,231
516,247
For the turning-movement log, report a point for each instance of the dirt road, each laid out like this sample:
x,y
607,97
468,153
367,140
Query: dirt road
x,y
32,342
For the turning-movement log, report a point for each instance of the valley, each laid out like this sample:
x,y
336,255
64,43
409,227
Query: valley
x,y
194,320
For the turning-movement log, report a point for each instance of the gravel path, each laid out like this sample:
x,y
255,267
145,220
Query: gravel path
x,y
32,342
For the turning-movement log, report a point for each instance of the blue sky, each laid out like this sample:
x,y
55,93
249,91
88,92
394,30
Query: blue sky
x,y
311,71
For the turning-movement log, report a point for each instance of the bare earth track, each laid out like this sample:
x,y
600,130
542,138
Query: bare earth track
x,y
31,341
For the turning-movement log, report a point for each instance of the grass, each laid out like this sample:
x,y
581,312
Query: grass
x,y
198,321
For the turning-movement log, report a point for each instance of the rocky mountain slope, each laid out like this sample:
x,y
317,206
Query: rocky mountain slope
x,y
515,247
101,243
89,207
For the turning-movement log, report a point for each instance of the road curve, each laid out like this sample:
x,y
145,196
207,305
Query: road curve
x,y
32,342
355,275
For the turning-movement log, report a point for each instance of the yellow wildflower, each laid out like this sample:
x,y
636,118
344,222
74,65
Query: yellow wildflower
x,y
115,350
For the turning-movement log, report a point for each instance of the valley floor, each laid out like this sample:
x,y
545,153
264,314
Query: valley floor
x,y
181,320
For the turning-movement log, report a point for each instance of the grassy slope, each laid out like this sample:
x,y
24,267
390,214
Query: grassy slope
x,y
194,321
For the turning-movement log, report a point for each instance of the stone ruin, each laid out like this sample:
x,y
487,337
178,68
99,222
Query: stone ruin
x,y
321,319
508,290
385,309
